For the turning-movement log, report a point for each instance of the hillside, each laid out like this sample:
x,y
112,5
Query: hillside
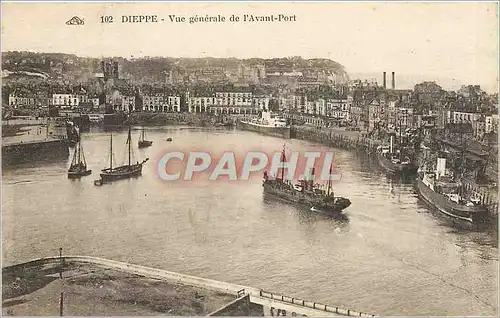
x,y
74,68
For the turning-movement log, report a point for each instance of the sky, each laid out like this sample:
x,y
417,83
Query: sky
x,y
453,43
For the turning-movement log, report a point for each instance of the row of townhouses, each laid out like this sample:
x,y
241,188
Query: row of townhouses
x,y
125,100
335,108
343,108
227,102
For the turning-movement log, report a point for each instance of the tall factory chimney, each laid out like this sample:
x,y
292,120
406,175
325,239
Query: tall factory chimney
x,y
385,80
393,80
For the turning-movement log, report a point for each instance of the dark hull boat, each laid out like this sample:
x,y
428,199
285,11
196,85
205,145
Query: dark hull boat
x,y
330,206
393,161
473,214
78,171
395,167
143,143
122,172
448,196
305,194
127,171
78,166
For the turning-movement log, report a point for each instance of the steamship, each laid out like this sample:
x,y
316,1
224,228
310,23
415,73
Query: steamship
x,y
305,193
394,161
269,124
447,194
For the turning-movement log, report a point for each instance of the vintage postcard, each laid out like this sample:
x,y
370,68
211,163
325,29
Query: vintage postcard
x,y
250,158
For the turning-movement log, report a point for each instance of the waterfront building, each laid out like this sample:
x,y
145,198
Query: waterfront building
x,y
339,108
65,100
460,117
260,102
160,102
200,104
286,102
114,98
491,123
22,99
321,107
227,103
375,112
94,100
356,114
128,103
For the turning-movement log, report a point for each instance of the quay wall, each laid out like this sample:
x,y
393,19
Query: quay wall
x,y
342,139
192,119
30,151
228,288
355,141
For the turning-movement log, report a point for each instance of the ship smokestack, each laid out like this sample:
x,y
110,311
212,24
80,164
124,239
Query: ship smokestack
x,y
385,80
393,80
440,167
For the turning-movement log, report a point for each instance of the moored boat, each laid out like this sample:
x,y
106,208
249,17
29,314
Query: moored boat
x,y
269,124
143,142
121,172
78,166
448,195
394,161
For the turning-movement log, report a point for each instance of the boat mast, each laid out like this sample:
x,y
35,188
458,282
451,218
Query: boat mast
x,y
79,151
400,134
82,154
111,151
129,138
283,158
74,161
129,145
462,164
330,179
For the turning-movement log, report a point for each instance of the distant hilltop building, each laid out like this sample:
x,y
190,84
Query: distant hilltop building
x,y
110,69
251,73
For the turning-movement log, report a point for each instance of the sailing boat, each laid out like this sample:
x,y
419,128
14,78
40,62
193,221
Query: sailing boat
x,y
122,172
78,166
143,143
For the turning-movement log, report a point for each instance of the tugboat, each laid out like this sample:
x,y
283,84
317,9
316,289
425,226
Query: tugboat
x,y
447,195
305,193
395,162
122,172
269,124
78,166
143,143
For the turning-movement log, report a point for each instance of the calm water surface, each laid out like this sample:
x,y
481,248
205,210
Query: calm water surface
x,y
391,257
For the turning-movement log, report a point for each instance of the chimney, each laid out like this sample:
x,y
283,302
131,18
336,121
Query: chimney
x,y
385,81
393,80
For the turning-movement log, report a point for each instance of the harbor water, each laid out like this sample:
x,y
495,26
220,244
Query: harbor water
x,y
391,256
